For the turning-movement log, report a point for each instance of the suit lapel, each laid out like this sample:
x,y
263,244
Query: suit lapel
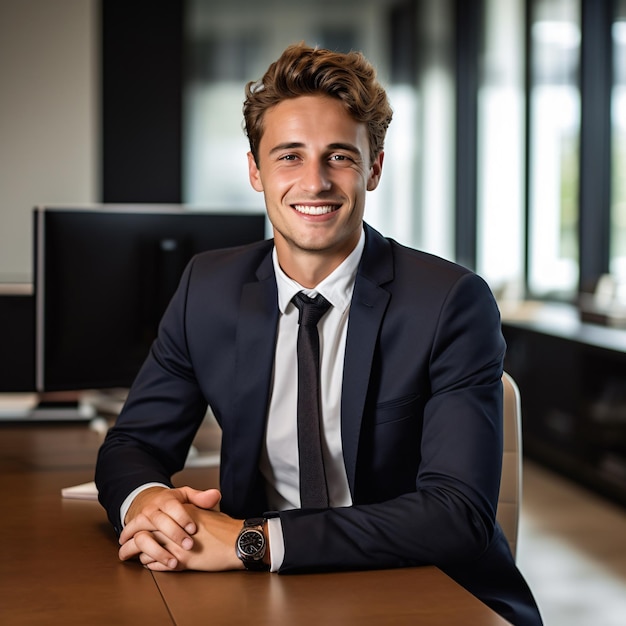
x,y
369,303
255,344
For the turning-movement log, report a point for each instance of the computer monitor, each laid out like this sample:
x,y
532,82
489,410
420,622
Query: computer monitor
x,y
103,277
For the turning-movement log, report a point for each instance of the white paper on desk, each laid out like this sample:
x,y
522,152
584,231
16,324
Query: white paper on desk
x,y
14,405
89,491
85,491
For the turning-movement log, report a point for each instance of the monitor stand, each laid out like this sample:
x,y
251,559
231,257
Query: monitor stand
x,y
75,406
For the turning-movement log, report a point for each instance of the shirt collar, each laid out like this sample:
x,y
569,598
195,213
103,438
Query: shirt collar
x,y
337,287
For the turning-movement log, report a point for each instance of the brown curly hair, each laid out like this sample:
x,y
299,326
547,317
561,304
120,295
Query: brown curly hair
x,y
305,71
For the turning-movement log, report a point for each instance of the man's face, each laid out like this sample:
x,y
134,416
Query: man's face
x,y
314,170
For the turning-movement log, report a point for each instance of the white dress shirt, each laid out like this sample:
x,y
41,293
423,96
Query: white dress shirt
x,y
279,457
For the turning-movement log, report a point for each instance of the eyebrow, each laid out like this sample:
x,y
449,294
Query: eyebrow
x,y
348,147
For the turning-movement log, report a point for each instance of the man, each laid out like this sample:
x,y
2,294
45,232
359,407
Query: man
x,y
411,363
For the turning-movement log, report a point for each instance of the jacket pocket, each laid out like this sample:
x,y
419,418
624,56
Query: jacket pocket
x,y
397,409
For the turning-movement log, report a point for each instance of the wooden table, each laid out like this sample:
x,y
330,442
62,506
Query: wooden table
x,y
58,562
424,596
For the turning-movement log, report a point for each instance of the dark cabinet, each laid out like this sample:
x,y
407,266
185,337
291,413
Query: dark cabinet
x,y
572,379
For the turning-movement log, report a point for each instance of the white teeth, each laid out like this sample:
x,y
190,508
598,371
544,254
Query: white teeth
x,y
313,210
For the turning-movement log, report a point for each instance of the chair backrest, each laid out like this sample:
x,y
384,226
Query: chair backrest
x,y
509,501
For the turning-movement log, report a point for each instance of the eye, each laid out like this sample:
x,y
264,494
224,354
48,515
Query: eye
x,y
341,160
288,157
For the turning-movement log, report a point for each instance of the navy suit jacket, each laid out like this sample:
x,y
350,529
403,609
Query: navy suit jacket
x,y
421,415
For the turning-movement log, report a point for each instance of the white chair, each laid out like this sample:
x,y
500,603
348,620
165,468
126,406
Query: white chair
x,y
509,501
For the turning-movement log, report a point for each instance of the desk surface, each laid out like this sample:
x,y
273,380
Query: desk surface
x,y
424,596
563,320
59,562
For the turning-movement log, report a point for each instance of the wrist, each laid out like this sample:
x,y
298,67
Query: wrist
x,y
252,544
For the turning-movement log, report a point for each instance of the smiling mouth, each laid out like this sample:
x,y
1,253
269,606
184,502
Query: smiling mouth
x,y
308,209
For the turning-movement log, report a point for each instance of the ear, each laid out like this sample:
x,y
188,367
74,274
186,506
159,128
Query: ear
x,y
254,174
376,171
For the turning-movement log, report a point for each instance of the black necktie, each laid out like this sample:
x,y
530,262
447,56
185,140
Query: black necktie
x,y
313,489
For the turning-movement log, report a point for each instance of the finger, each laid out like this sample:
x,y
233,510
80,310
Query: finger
x,y
149,563
150,503
128,550
161,522
175,509
155,566
148,549
137,524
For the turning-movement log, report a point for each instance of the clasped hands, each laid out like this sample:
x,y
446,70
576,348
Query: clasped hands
x,y
177,529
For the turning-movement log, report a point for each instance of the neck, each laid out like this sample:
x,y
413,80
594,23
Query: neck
x,y
309,267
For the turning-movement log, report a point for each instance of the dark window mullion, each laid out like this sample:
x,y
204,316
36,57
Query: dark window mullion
x,y
595,140
468,22
528,9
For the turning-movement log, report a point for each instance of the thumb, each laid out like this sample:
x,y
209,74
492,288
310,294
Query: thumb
x,y
207,499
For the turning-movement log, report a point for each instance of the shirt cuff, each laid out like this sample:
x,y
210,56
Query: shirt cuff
x,y
132,495
277,543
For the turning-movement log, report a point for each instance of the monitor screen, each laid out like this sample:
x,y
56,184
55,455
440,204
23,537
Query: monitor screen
x,y
103,277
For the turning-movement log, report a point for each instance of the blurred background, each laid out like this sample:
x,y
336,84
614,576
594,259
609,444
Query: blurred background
x,y
507,154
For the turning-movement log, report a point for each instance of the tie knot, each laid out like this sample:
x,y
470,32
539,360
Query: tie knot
x,y
311,309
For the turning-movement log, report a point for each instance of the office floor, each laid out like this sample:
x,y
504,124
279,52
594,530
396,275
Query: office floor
x,y
572,551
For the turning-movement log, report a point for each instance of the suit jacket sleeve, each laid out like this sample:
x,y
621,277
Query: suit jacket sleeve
x,y
152,436
447,515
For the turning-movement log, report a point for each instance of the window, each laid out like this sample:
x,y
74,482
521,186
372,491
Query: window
x,y
227,45
554,138
618,138
501,112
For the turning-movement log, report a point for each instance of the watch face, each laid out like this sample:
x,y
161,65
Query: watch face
x,y
251,542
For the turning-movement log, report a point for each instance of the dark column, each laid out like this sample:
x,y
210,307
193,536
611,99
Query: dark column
x,y
142,82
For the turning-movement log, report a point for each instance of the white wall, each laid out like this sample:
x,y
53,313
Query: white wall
x,y
49,119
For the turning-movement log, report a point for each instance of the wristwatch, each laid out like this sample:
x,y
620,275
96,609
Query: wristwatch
x,y
251,545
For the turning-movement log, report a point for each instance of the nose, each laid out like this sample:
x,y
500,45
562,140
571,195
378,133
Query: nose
x,y
314,177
